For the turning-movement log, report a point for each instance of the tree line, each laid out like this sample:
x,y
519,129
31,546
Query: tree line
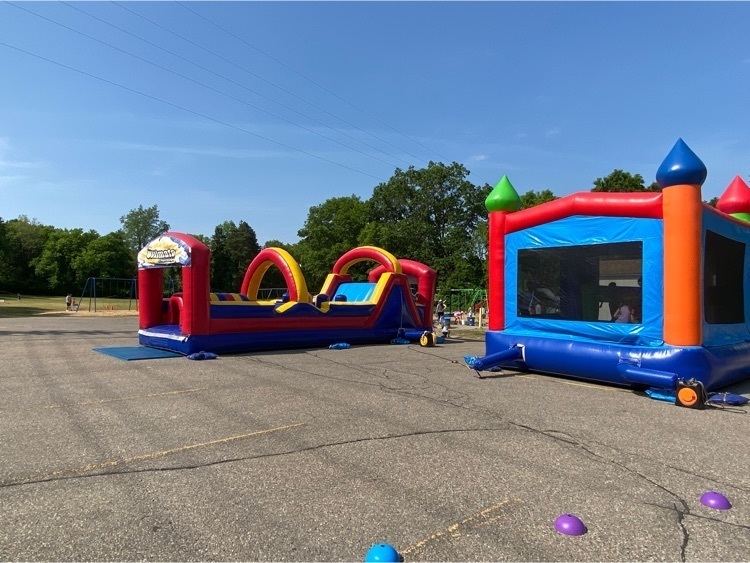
x,y
434,215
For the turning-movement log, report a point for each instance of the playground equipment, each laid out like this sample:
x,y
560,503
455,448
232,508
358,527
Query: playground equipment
x,y
109,293
108,290
466,305
560,271
467,300
378,310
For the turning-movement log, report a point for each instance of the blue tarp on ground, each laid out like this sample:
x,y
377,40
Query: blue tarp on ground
x,y
128,353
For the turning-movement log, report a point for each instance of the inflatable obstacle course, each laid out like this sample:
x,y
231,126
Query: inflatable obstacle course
x,y
196,319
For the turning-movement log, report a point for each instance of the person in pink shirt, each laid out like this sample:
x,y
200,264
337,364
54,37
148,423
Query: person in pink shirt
x,y
622,315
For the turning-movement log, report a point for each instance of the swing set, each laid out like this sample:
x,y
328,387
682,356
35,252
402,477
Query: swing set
x,y
112,294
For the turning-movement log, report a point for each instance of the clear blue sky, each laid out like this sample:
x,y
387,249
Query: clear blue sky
x,y
554,95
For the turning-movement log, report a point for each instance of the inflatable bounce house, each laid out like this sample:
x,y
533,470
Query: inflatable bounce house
x,y
644,289
379,310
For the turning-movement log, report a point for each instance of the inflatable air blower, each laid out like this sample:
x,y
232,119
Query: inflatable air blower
x,y
428,339
690,394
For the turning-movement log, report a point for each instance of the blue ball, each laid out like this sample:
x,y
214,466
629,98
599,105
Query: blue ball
x,y
383,552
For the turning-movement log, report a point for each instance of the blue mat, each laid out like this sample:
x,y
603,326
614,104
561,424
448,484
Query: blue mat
x,y
128,353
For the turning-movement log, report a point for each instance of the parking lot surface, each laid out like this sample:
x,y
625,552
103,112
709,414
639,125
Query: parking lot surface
x,y
315,455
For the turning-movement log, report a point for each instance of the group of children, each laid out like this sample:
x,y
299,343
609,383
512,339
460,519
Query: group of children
x,y
623,314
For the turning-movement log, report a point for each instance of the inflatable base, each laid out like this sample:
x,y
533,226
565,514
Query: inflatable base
x,y
631,366
168,337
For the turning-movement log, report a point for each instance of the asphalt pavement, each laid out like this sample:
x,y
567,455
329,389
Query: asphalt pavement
x,y
316,455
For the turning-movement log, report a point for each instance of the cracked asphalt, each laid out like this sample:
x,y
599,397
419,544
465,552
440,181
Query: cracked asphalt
x,y
315,455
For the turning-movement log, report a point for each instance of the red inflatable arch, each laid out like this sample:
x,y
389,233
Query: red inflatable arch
x,y
295,281
426,282
362,253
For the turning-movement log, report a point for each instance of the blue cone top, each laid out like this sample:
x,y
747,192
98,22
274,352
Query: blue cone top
x,y
383,552
681,166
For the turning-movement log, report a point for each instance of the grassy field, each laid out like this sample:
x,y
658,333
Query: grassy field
x,y
32,305
465,332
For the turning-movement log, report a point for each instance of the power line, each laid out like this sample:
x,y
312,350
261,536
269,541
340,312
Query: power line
x,y
221,75
334,94
319,86
199,114
281,88
199,83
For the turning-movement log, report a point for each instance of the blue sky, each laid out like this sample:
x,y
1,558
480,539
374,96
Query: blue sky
x,y
271,108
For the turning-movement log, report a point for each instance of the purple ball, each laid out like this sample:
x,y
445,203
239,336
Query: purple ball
x,y
570,525
715,500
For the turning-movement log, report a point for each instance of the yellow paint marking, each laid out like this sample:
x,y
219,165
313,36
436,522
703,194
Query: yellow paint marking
x,y
106,401
453,531
153,455
490,520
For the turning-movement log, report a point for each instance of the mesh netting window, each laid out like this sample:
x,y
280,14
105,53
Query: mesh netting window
x,y
723,287
581,283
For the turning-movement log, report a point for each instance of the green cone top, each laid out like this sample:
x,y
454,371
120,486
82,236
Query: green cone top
x,y
503,197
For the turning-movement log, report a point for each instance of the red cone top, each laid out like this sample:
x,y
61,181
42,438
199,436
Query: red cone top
x,y
736,198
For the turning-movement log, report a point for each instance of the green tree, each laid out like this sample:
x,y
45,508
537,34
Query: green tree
x,y
220,265
5,269
431,215
292,249
479,242
532,198
232,249
25,240
55,263
105,257
243,247
331,229
203,238
619,181
383,235
141,226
